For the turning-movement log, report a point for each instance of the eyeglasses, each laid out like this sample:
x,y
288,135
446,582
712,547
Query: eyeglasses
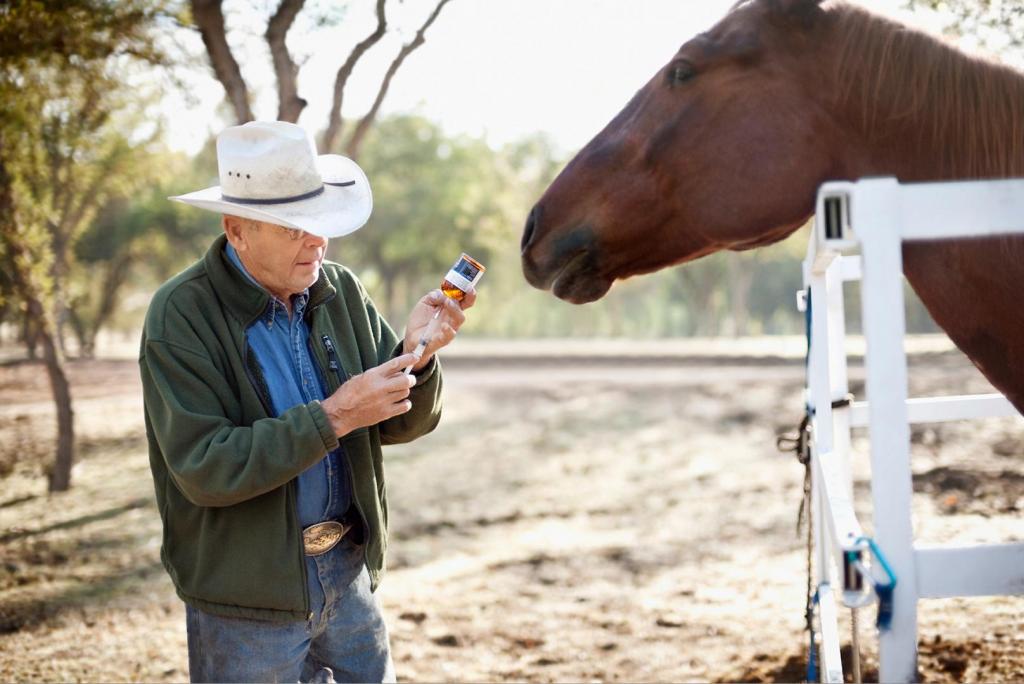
x,y
292,233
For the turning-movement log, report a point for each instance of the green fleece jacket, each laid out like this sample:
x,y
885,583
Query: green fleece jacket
x,y
224,469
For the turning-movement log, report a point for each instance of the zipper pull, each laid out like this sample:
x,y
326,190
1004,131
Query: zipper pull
x,y
332,358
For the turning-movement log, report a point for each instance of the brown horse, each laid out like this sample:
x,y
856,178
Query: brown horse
x,y
726,146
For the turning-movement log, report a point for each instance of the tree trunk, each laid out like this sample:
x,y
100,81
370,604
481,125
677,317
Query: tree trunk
x,y
334,122
696,288
209,18
355,143
740,279
290,105
59,473
60,320
35,313
87,327
30,337
86,335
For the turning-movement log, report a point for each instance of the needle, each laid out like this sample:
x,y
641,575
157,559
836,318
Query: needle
x,y
424,340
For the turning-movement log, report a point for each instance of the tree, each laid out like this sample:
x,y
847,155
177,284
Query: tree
x,y
434,197
136,230
997,24
208,17
62,84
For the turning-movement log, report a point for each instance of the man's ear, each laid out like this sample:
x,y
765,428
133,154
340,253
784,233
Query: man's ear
x,y
234,229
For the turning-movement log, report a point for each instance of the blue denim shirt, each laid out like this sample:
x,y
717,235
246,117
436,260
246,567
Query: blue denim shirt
x,y
281,346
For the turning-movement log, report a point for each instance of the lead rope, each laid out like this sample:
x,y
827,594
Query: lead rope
x,y
855,645
800,445
812,594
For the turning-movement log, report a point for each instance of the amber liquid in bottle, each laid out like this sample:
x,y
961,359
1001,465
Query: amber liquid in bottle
x,y
452,291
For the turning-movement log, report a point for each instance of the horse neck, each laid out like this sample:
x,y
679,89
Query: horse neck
x,y
920,110
911,107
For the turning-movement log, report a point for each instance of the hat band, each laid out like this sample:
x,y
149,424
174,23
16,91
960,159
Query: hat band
x,y
284,200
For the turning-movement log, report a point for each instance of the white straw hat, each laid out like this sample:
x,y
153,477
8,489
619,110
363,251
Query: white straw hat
x,y
269,171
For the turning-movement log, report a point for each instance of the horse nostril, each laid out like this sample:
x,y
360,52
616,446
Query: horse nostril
x,y
531,225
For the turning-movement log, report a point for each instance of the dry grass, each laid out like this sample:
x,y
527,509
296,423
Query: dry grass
x,y
568,520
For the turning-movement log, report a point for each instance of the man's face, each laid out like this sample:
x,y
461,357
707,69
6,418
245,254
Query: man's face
x,y
285,261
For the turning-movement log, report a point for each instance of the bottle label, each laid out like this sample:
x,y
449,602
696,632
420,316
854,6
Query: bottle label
x,y
458,280
467,268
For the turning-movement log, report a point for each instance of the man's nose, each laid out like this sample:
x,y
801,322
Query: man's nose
x,y
315,240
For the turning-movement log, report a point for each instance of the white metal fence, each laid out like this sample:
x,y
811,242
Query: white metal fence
x,y
875,216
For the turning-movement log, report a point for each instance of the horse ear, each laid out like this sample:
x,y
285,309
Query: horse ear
x,y
805,10
797,5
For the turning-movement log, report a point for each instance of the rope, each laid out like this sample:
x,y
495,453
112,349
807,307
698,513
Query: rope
x,y
800,445
812,593
855,646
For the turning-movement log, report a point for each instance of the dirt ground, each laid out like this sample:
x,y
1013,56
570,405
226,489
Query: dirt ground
x,y
594,517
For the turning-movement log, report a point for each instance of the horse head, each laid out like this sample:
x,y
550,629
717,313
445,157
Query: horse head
x,y
722,149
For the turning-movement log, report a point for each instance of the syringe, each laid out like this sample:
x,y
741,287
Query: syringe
x,y
421,346
461,278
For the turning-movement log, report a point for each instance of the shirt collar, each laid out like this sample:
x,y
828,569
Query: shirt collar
x,y
274,305
245,300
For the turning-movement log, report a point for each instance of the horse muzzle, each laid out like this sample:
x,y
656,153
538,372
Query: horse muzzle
x,y
564,261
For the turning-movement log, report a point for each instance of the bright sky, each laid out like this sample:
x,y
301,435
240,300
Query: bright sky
x,y
499,68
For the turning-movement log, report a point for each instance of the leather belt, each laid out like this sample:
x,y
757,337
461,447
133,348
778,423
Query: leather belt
x,y
322,537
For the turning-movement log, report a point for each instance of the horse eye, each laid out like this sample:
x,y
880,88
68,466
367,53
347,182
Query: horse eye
x,y
680,72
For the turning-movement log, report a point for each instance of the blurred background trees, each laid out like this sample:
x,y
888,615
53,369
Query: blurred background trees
x,y
66,147
87,234
997,25
278,22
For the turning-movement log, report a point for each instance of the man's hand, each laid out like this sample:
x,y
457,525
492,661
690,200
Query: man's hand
x,y
371,397
443,330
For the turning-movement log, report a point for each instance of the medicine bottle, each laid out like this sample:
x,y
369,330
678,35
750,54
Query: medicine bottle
x,y
462,277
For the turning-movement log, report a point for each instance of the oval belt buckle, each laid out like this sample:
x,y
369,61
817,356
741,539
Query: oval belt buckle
x,y
322,537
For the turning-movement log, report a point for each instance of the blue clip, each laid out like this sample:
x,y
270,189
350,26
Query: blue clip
x,y
882,590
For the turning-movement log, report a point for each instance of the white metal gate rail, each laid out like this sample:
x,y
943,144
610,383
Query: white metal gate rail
x,y
877,216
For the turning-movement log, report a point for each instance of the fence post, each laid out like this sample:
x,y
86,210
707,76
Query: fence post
x,y
878,227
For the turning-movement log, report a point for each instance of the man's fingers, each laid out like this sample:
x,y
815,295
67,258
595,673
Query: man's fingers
x,y
400,382
434,298
469,300
442,338
400,407
398,363
455,315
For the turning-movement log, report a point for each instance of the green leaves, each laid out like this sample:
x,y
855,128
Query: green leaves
x,y
997,25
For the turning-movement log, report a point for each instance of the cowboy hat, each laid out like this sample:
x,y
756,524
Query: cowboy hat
x,y
269,171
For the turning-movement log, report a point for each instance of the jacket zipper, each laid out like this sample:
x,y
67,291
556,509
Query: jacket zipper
x,y
332,360
291,485
341,376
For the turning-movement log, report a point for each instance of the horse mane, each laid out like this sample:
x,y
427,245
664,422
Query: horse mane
x,y
966,112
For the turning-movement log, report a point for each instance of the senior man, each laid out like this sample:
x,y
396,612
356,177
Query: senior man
x,y
270,384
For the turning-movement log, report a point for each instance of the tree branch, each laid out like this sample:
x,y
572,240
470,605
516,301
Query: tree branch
x,y
209,19
356,141
289,104
334,122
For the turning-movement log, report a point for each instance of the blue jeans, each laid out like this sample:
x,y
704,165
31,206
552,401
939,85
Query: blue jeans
x,y
346,638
